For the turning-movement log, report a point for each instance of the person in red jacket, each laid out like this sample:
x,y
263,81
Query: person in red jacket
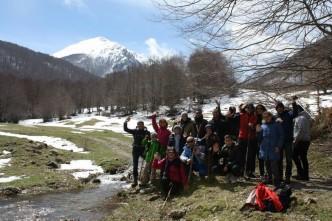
x,y
162,132
247,139
173,176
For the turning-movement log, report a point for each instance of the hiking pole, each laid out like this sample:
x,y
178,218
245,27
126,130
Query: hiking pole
x,y
168,195
191,163
246,159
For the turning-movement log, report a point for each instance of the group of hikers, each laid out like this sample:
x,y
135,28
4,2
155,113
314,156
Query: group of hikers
x,y
228,145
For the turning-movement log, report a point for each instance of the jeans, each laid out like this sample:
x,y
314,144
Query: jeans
x,y
300,158
287,149
272,167
137,153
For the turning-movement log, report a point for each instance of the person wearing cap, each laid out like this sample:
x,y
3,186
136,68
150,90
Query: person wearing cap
x,y
162,132
200,123
176,139
286,118
139,134
173,176
187,125
247,139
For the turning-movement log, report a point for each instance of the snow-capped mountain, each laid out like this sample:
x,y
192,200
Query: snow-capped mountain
x,y
99,56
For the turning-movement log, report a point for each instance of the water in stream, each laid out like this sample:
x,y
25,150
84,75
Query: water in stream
x,y
86,205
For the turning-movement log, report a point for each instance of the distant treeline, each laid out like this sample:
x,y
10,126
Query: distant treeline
x,y
163,82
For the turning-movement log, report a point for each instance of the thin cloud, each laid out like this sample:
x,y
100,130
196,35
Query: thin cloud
x,y
157,50
75,3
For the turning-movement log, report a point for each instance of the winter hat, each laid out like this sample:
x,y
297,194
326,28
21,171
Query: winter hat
x,y
184,113
280,105
177,127
209,126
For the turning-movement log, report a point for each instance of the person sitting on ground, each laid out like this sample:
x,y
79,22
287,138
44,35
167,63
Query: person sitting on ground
x,y
210,137
230,154
214,165
162,132
200,123
193,157
187,125
173,177
176,139
271,137
152,147
302,139
138,148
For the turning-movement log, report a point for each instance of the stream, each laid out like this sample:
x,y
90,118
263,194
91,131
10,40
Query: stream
x,y
85,205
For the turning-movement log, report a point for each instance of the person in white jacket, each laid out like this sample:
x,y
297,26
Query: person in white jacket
x,y
302,138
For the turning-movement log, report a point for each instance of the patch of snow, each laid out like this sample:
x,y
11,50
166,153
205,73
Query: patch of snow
x,y
30,122
9,179
77,132
56,142
85,167
5,162
5,152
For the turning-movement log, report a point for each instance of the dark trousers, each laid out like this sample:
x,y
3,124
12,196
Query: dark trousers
x,y
261,163
286,150
272,167
168,185
248,150
300,153
137,153
231,169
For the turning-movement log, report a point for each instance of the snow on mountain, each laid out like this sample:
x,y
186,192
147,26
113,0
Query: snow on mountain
x,y
100,56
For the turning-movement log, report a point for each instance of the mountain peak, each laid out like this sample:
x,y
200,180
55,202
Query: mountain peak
x,y
95,47
99,55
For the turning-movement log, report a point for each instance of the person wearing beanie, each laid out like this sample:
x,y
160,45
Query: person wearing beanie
x,y
187,125
286,118
233,122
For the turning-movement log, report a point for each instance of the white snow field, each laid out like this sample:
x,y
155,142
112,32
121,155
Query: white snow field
x,y
114,123
55,142
83,168
9,179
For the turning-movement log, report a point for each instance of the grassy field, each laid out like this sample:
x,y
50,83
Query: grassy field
x,y
218,200
108,149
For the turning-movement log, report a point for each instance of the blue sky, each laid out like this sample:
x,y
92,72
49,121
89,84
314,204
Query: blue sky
x,y
50,25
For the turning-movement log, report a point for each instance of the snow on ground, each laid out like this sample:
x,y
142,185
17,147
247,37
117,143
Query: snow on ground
x,y
5,152
55,142
85,168
5,162
9,179
115,123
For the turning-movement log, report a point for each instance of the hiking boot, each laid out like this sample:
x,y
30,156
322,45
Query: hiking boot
x,y
134,184
297,177
287,180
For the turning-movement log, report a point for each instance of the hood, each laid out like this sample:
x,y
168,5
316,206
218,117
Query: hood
x,y
305,114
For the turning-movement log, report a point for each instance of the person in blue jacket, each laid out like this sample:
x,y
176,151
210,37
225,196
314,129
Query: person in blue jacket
x,y
271,137
285,118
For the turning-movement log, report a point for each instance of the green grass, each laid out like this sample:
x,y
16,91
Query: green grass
x,y
218,200
106,148
91,122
